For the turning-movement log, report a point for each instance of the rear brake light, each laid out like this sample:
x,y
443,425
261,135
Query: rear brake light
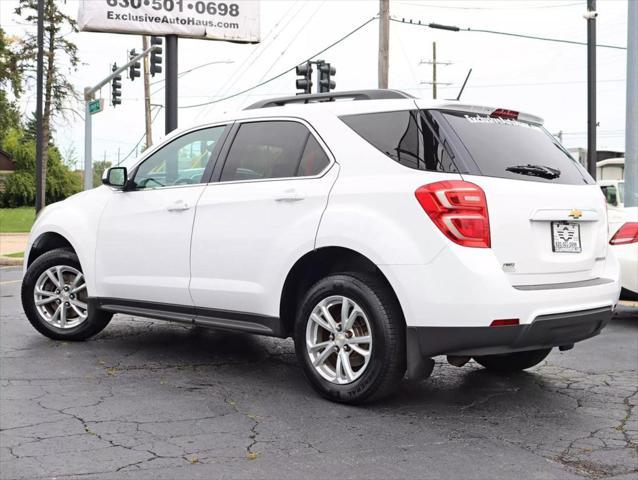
x,y
504,322
504,113
459,209
628,233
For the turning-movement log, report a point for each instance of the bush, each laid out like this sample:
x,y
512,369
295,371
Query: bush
x,y
19,190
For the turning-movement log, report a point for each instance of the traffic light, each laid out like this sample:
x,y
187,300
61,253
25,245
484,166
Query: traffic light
x,y
156,56
305,82
116,88
325,74
134,69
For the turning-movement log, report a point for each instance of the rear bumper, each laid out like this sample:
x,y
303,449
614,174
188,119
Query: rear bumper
x,y
545,331
466,287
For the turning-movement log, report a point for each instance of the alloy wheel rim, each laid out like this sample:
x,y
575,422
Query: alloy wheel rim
x,y
339,339
60,297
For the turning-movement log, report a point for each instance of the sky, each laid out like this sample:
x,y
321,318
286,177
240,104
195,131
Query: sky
x,y
544,78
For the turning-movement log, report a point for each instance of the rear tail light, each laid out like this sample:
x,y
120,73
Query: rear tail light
x,y
504,113
459,209
504,322
628,233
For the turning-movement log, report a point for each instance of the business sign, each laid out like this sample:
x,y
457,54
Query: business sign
x,y
234,20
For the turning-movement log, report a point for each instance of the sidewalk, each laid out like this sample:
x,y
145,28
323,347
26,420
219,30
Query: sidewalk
x,y
12,243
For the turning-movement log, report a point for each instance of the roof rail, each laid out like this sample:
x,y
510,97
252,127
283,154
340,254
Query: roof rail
x,y
331,97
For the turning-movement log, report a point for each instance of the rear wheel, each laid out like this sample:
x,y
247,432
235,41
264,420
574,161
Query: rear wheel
x,y
513,362
350,338
55,299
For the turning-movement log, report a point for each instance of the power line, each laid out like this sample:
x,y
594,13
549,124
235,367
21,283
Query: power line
x,y
454,28
509,7
352,32
181,74
159,109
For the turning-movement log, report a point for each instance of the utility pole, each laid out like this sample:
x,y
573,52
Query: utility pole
x,y
591,86
434,63
170,100
384,42
631,125
147,95
40,181
434,70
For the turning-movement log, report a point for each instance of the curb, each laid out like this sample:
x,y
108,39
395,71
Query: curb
x,y
10,261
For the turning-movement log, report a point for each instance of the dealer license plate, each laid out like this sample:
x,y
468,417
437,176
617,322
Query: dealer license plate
x,y
566,237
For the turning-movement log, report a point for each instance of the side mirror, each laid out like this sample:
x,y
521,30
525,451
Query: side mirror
x,y
115,177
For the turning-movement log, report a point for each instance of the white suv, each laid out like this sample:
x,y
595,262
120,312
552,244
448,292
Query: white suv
x,y
376,229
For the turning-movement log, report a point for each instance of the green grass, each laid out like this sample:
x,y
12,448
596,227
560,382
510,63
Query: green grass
x,y
16,255
16,219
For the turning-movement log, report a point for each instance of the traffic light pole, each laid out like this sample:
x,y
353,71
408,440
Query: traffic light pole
x,y
89,93
170,100
147,96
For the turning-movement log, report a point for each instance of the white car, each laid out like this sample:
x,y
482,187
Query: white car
x,y
623,238
376,229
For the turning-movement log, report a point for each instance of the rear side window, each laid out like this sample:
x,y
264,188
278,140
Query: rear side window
x,y
507,148
314,159
409,137
273,149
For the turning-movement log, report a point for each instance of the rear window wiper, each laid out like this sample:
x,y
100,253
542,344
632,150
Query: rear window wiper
x,y
535,171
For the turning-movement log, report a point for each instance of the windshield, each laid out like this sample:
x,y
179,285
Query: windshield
x,y
514,149
621,192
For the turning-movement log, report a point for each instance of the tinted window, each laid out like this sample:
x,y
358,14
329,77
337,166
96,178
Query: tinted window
x,y
314,159
515,149
265,150
411,138
181,162
611,194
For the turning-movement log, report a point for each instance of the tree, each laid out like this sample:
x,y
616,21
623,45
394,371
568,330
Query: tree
x,y
20,185
10,80
98,170
60,58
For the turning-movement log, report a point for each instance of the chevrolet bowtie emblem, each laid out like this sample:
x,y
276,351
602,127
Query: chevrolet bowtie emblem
x,y
575,213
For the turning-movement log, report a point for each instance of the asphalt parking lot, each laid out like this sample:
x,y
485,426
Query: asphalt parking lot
x,y
147,399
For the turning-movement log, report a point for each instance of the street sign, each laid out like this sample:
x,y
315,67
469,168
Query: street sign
x,y
96,106
234,20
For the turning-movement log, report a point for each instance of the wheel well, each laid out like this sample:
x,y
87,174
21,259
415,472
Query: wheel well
x,y
315,265
47,242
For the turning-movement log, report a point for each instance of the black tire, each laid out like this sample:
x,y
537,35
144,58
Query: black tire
x,y
513,362
387,363
96,320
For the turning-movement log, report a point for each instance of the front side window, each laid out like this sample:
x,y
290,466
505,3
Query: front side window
x,y
181,162
273,149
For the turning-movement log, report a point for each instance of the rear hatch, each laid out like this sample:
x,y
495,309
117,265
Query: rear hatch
x,y
547,216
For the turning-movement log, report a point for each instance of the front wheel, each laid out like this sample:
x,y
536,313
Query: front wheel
x,y
350,338
513,362
55,299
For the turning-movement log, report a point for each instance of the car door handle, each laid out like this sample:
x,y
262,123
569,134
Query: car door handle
x,y
178,206
289,196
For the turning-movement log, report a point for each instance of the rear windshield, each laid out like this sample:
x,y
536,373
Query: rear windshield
x,y
515,149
